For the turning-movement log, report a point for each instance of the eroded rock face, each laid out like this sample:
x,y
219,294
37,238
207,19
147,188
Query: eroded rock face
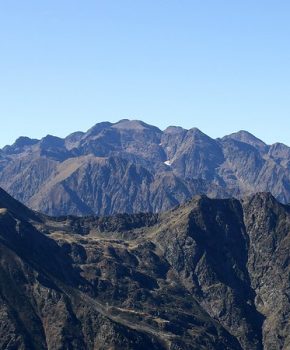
x,y
132,167
211,274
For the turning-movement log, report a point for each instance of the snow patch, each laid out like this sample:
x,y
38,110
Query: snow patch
x,y
167,162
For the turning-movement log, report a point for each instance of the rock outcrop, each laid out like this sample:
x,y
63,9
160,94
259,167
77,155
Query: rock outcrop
x,y
131,166
210,274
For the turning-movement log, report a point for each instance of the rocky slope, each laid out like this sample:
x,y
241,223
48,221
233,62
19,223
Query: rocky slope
x,y
131,167
210,274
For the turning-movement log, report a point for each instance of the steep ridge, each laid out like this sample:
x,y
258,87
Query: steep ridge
x,y
210,274
130,166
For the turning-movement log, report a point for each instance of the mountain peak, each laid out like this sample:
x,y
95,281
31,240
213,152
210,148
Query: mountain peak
x,y
66,176
11,205
25,141
174,130
198,134
51,141
263,195
97,128
133,125
197,131
246,137
19,145
191,276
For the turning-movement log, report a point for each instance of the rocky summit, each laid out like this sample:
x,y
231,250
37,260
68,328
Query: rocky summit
x,y
131,167
210,274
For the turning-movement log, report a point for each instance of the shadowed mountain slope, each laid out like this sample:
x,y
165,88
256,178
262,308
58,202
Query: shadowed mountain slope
x,y
210,274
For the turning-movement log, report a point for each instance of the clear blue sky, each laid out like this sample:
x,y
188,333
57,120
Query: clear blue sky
x,y
219,65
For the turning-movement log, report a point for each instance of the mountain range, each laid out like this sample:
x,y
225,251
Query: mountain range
x,y
211,274
131,167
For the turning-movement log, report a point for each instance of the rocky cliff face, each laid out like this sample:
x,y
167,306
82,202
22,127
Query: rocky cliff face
x,y
211,274
131,166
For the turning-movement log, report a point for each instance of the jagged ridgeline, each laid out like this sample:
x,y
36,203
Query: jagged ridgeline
x,y
210,274
134,167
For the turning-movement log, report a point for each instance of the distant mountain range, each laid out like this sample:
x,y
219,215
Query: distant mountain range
x,y
213,274
131,167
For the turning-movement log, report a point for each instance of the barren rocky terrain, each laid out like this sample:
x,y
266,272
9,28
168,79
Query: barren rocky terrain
x,y
133,167
210,274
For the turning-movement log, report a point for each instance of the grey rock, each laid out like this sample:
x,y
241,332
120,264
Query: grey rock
x,y
131,166
210,274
